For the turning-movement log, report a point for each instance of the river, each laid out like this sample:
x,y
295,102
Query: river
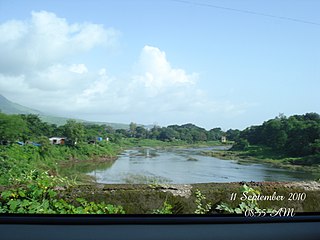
x,y
188,165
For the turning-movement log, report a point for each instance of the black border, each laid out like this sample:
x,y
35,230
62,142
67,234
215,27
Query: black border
x,y
93,219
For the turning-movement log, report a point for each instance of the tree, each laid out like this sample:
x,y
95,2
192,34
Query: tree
x,y
122,132
154,132
37,127
168,134
74,132
185,135
12,128
141,132
132,129
233,135
295,136
316,146
215,134
241,144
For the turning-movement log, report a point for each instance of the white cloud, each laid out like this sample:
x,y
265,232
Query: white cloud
x,y
58,77
78,68
12,31
35,73
13,84
156,73
95,91
46,39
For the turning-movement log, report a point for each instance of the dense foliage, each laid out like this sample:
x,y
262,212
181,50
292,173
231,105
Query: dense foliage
x,y
24,145
295,136
37,192
189,133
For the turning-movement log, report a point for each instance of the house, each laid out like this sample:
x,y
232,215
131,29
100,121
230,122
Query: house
x,y
223,139
57,140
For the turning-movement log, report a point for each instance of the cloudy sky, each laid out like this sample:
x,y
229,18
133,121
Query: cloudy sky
x,y
214,63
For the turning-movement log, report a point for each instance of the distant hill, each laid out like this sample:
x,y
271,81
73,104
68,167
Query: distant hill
x,y
8,107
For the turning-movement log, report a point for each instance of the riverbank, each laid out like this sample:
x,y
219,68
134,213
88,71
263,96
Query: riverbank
x,y
264,157
62,198
136,142
66,161
144,199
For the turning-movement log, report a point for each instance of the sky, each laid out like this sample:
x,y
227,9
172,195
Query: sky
x,y
213,63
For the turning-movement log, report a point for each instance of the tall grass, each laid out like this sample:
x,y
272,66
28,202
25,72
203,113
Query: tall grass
x,y
16,160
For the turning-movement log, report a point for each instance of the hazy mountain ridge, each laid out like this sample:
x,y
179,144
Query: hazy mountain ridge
x,y
9,107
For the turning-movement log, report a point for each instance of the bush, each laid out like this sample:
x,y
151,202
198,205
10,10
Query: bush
x,y
240,145
37,193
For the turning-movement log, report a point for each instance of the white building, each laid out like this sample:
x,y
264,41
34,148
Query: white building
x,y
57,140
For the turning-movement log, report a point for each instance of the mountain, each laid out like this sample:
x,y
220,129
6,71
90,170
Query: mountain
x,y
8,107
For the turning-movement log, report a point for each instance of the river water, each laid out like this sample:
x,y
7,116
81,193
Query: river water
x,y
148,165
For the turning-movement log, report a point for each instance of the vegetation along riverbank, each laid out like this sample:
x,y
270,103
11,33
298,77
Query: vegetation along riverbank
x,y
69,151
292,142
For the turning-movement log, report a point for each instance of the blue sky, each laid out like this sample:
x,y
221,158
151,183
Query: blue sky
x,y
213,63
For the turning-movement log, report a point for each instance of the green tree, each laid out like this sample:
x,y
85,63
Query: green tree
x,y
154,132
241,144
132,129
37,127
168,134
12,128
316,146
141,132
74,132
233,134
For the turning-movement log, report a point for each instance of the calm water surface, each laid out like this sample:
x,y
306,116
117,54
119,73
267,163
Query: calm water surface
x,y
147,165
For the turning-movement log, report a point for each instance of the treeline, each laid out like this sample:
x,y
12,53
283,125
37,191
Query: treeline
x,y
189,133
295,136
31,128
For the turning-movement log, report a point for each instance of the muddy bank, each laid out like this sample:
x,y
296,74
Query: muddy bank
x,y
142,199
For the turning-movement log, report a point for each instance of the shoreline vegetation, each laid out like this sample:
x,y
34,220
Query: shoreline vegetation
x,y
292,143
250,157
34,172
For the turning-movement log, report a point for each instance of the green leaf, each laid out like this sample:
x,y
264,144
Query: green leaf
x,y
238,211
21,193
